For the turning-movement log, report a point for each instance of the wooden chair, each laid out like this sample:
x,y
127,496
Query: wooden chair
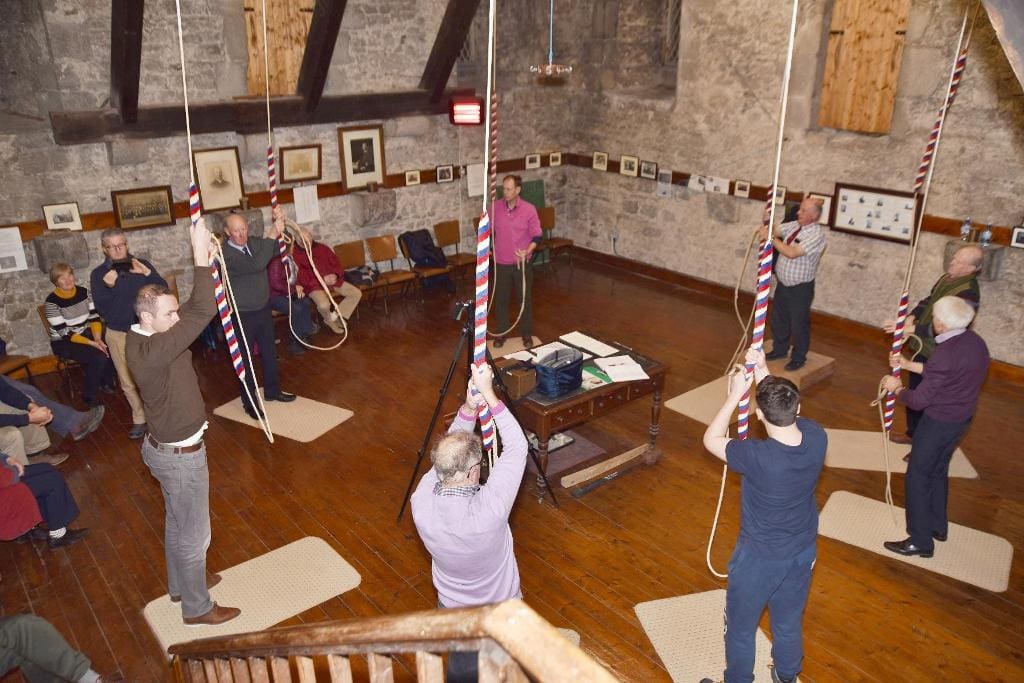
x,y
422,272
447,233
353,255
382,249
553,246
64,365
13,362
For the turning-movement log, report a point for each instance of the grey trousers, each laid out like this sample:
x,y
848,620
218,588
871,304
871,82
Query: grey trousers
x,y
185,482
42,653
509,278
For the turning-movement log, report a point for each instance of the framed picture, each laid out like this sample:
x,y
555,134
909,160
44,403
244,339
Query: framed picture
x,y
780,194
63,216
532,161
300,163
741,188
146,207
444,174
412,177
362,156
826,207
555,159
1017,237
648,169
664,187
219,174
628,165
600,161
875,212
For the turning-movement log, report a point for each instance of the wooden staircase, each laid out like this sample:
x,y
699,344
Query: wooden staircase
x,y
513,641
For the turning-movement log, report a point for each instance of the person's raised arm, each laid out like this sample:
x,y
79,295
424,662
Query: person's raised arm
x,y
716,437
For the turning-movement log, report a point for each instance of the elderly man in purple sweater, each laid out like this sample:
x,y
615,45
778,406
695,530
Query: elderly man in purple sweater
x,y
465,525
948,396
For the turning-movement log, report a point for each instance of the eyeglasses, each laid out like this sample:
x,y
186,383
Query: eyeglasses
x,y
119,245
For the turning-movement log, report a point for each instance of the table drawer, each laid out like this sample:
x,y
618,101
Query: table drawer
x,y
645,387
611,401
570,416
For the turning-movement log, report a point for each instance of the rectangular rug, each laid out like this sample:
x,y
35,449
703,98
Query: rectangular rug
x,y
971,556
858,450
269,589
687,633
702,404
302,420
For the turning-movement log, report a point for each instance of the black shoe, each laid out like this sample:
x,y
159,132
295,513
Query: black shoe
x,y
499,342
282,396
906,548
794,365
776,354
254,413
941,538
108,389
70,537
33,534
776,678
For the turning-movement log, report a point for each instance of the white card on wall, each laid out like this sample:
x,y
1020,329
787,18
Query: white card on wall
x,y
307,208
12,251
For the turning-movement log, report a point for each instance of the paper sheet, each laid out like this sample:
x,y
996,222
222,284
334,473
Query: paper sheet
x,y
589,343
476,180
520,355
540,351
621,368
307,209
12,251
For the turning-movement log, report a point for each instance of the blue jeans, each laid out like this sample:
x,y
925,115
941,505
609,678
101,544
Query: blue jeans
x,y
185,482
782,586
65,418
302,316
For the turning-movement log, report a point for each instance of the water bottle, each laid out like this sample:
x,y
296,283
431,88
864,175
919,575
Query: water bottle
x,y
986,235
965,230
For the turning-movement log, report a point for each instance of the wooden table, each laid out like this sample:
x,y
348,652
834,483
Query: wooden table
x,y
545,417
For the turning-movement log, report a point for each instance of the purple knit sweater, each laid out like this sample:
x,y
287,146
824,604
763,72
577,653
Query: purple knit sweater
x,y
952,379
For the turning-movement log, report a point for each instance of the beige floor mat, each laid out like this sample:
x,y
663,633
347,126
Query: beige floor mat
x,y
302,420
269,589
702,403
686,631
857,450
971,556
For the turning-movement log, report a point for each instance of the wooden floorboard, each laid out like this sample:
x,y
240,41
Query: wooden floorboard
x,y
584,564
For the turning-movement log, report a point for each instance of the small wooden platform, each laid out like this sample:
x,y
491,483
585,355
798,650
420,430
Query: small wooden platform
x,y
816,369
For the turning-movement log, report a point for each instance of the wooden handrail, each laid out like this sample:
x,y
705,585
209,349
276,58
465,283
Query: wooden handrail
x,y
531,642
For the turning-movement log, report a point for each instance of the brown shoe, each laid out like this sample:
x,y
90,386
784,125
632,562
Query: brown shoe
x,y
900,438
211,581
499,342
216,615
54,459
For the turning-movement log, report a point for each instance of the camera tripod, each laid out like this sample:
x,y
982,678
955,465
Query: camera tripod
x,y
464,338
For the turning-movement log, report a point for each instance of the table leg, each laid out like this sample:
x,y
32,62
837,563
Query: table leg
x,y
542,457
653,453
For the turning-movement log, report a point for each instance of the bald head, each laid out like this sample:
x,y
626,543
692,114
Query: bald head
x,y
236,229
965,261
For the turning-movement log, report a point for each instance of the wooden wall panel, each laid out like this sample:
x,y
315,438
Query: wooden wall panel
x,y
287,29
862,68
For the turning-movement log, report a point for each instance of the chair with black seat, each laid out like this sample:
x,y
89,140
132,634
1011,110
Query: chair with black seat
x,y
553,246
64,365
353,255
424,272
383,249
449,234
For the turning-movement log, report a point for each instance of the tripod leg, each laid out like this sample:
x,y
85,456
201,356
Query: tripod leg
x,y
433,420
511,408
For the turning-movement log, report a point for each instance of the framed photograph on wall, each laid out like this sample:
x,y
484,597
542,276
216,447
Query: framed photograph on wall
x,y
648,169
412,177
628,165
146,207
875,212
555,159
826,207
362,156
63,216
532,161
780,194
741,188
300,163
219,174
1017,237
444,174
600,161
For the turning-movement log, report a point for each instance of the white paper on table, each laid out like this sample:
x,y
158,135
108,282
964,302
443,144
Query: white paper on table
x,y
12,251
621,368
475,180
581,340
520,355
307,208
541,351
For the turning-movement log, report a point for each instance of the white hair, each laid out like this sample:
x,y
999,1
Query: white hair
x,y
953,312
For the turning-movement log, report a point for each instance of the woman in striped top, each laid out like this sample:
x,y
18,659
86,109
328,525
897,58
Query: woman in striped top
x,y
76,331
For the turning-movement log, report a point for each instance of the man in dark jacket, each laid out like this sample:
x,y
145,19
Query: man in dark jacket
x,y
246,259
948,397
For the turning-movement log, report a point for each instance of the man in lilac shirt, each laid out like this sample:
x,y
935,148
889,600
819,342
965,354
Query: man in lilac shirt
x,y
517,234
948,396
464,525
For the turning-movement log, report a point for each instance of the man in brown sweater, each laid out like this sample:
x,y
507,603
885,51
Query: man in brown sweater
x,y
158,355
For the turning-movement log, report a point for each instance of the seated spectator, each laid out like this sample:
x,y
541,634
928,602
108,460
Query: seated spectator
x,y
24,411
284,285
34,494
34,645
333,275
76,332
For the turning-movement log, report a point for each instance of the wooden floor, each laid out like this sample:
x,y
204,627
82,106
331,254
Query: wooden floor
x,y
585,564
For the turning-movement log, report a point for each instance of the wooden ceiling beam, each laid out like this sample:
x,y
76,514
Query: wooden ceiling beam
x,y
316,60
451,36
125,57
241,116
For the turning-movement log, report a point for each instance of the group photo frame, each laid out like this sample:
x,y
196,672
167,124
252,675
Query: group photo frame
x,y
145,207
361,151
219,174
301,163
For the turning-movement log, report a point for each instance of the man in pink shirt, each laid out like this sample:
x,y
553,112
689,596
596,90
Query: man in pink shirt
x,y
517,234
